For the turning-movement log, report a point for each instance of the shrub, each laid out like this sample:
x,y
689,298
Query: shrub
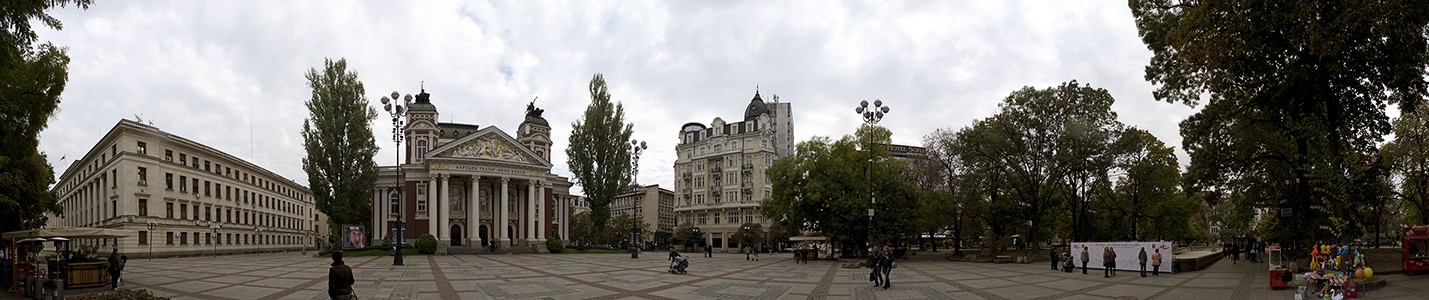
x,y
427,244
554,245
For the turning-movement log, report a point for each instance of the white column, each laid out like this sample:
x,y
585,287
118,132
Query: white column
x,y
540,211
473,213
379,219
500,227
526,215
431,210
443,211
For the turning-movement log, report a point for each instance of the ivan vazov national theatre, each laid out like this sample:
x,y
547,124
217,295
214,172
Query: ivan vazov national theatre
x,y
473,186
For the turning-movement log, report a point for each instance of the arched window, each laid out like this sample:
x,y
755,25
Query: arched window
x,y
394,205
457,199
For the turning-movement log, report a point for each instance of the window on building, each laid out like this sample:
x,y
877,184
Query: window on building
x,y
169,210
114,173
143,207
207,213
702,219
421,198
421,148
733,218
206,166
168,155
183,211
207,188
169,181
394,205
143,148
749,216
195,184
716,218
143,237
183,159
183,238
143,176
169,238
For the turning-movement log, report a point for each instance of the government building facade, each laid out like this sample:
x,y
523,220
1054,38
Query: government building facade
x,y
473,187
719,169
179,197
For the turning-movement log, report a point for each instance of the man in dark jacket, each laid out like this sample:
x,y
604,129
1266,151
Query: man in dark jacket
x,y
339,278
116,268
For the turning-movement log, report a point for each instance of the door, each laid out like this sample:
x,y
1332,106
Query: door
x,y
457,237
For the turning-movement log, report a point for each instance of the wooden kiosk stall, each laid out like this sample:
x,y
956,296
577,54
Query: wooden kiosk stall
x,y
78,271
812,246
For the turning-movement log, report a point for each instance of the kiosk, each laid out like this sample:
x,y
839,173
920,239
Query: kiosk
x,y
74,271
1280,275
1416,249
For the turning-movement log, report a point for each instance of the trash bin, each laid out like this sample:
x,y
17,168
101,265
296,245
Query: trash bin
x,y
58,291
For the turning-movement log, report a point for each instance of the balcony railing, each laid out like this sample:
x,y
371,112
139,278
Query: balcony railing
x,y
747,166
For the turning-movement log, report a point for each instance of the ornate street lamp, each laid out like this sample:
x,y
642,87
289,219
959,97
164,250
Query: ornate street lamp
x,y
636,148
152,226
871,116
215,228
398,111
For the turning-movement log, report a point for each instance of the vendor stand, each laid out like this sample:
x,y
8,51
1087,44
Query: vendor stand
x,y
1416,249
76,271
811,246
1278,268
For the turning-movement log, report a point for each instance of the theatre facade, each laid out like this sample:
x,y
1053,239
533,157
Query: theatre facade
x,y
475,188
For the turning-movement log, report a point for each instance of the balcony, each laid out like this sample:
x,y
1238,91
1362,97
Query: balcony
x,y
747,167
747,184
716,169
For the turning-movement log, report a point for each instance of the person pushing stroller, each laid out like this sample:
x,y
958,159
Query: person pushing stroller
x,y
678,263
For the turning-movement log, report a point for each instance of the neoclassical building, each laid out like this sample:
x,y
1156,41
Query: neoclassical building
x,y
180,197
471,186
719,169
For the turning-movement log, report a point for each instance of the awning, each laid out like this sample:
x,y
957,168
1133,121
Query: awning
x,y
72,233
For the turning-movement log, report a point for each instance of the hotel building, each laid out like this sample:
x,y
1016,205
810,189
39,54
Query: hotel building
x,y
719,169
653,205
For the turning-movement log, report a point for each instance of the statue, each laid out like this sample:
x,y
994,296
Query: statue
x,y
532,111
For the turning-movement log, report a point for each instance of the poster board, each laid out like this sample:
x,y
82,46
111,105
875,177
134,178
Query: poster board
x,y
1126,254
354,236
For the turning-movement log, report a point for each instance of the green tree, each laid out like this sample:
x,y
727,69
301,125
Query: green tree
x,y
338,138
748,235
1036,143
825,186
1295,90
1151,183
582,231
1408,156
31,81
599,154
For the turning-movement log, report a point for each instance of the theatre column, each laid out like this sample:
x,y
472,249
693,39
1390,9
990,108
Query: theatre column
x,y
443,214
500,227
473,213
527,214
540,211
431,208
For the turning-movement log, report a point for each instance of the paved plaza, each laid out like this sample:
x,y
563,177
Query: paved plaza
x,y
725,276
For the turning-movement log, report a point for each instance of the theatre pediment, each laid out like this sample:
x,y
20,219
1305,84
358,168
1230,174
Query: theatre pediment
x,y
490,144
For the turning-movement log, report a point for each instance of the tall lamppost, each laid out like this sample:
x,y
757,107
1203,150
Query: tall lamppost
x,y
258,238
636,148
871,116
398,111
215,228
149,239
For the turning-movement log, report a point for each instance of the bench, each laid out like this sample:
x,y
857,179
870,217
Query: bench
x,y
1001,259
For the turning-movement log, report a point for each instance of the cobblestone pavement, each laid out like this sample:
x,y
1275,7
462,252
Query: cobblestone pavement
x,y
726,276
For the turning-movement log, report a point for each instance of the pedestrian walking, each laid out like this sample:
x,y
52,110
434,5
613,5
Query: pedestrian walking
x,y
709,251
756,250
1235,253
1156,263
1086,257
1142,258
339,279
116,268
1251,254
747,252
886,263
1109,258
875,273
1053,254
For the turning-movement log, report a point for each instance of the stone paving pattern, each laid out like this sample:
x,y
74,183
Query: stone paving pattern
x,y
725,276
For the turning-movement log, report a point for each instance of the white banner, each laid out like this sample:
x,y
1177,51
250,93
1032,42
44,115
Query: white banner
x,y
1126,255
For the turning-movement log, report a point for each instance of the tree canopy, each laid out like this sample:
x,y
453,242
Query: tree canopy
x,y
338,139
1294,97
31,81
599,153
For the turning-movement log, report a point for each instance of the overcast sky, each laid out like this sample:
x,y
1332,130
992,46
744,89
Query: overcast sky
x,y
218,72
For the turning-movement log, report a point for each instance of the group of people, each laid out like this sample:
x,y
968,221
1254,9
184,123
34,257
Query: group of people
x,y
1254,251
880,260
1108,261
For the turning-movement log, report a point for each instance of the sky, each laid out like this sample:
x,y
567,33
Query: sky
x,y
230,74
